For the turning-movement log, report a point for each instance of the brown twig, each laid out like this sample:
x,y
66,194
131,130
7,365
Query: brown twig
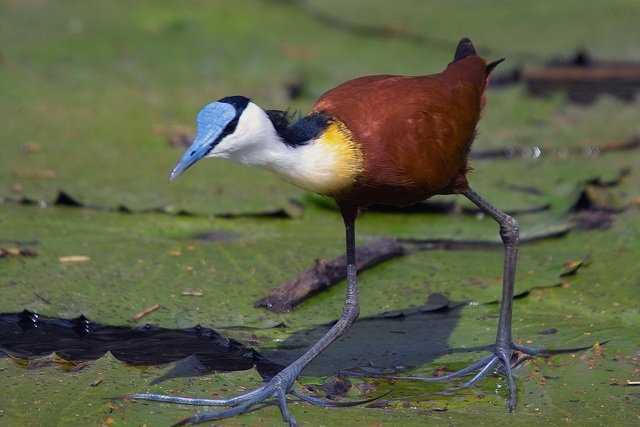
x,y
326,273
145,312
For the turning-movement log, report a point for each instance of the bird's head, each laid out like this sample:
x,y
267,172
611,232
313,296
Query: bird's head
x,y
228,128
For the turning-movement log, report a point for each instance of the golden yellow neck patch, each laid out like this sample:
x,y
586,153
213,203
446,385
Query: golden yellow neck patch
x,y
348,159
329,164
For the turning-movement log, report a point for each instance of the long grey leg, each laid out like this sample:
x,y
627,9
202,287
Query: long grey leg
x,y
351,308
509,232
282,383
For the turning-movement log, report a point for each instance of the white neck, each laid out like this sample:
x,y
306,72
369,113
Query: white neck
x,y
255,142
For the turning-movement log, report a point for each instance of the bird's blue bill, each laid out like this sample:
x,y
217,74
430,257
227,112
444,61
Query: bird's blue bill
x,y
210,122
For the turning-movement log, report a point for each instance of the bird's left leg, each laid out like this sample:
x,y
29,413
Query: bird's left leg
x,y
282,383
504,347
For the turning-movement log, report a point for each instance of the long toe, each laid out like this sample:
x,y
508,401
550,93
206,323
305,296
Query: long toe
x,y
530,351
504,356
441,378
234,401
212,416
503,360
500,361
273,392
486,370
326,403
284,408
250,402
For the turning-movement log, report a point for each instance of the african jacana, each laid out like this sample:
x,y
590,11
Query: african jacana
x,y
380,139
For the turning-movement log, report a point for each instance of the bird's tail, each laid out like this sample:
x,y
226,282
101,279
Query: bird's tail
x,y
465,48
493,64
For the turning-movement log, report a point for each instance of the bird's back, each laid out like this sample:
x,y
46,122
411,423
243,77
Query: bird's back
x,y
414,132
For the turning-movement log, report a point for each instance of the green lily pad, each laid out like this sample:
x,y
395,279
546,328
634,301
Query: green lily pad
x,y
91,92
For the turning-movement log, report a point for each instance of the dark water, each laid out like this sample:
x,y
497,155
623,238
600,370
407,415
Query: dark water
x,y
389,342
385,343
28,335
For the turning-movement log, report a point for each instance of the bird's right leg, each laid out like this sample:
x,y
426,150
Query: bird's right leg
x,y
282,384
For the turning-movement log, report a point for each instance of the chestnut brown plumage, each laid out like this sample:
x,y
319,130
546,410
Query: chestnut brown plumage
x,y
414,132
373,140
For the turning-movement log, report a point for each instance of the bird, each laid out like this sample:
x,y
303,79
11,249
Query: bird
x,y
379,139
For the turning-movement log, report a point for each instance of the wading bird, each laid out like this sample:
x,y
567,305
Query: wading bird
x,y
382,139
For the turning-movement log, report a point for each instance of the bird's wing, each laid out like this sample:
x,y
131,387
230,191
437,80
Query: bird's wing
x,y
413,130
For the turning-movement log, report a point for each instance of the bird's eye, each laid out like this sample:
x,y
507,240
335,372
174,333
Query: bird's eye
x,y
192,153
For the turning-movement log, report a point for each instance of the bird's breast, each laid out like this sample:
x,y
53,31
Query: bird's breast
x,y
329,164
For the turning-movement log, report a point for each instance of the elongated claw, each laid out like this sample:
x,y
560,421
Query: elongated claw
x,y
212,416
486,370
284,409
548,352
195,401
248,401
176,399
488,366
282,383
505,358
275,391
499,361
447,377
325,403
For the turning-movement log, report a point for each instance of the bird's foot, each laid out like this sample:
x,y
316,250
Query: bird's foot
x,y
275,390
504,358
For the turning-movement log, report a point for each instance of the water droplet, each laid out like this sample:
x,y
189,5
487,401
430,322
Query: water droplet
x,y
536,152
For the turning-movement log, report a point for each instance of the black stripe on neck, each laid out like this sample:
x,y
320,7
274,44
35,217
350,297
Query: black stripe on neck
x,y
302,130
